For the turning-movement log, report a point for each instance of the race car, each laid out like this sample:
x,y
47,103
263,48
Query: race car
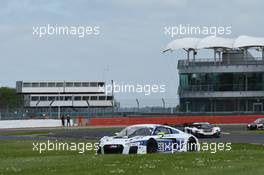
x,y
257,124
202,129
148,138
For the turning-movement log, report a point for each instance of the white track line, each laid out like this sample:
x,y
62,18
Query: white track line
x,y
225,133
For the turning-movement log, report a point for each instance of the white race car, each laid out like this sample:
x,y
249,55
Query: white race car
x,y
202,129
148,138
257,124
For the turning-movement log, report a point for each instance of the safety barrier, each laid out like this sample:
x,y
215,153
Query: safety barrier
x,y
172,120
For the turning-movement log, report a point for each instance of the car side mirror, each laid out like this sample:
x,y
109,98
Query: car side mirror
x,y
116,133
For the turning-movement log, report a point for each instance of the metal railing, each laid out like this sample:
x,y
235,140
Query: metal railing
x,y
220,62
222,87
163,112
128,108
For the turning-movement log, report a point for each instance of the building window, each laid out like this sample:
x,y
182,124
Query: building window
x,y
59,84
26,84
68,98
255,81
51,84
86,98
101,84
77,98
51,98
60,98
43,85
77,84
109,98
43,98
184,81
35,98
93,84
85,84
101,97
69,84
93,97
35,84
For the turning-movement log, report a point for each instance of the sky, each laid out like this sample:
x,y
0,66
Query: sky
x,y
129,47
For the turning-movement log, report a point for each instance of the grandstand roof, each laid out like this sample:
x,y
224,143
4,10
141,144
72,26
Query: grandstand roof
x,y
215,42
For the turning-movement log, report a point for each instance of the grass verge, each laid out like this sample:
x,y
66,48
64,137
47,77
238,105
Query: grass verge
x,y
17,157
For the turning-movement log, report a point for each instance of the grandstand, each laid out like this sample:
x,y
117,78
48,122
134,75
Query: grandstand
x,y
64,95
232,80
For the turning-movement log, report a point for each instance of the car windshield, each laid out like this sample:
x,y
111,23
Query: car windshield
x,y
135,131
204,126
260,120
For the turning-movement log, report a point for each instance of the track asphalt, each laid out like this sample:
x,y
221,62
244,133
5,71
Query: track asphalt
x,y
230,133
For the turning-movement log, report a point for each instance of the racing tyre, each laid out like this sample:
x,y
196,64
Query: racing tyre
x,y
192,144
99,150
217,135
152,146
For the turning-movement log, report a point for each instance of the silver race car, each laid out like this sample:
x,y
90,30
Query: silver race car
x,y
148,138
257,124
202,129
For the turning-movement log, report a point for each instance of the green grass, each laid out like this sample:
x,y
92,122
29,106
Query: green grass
x,y
259,131
52,131
24,133
17,157
250,132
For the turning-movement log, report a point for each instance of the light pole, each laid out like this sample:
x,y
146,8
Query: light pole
x,y
163,103
137,105
59,105
112,83
88,105
50,107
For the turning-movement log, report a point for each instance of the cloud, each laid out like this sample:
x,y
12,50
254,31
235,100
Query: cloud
x,y
140,3
130,42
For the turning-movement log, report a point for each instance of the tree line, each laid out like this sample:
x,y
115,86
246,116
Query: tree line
x,y
9,99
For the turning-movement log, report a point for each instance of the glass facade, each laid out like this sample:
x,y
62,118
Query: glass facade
x,y
222,104
222,81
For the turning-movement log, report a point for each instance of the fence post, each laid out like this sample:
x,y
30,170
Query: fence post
x,y
88,107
